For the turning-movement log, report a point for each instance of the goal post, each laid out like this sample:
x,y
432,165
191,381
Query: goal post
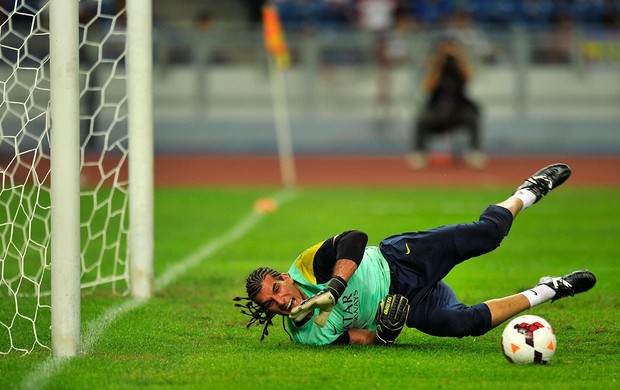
x,y
140,92
65,177
76,164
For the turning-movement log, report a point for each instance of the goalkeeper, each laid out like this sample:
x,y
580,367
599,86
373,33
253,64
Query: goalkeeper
x,y
342,291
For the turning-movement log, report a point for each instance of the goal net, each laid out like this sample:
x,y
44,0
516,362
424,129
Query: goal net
x,y
25,206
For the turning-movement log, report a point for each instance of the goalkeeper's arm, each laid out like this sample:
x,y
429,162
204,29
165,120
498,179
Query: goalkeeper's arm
x,y
349,253
326,299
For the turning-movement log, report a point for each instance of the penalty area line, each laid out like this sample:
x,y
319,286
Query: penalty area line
x,y
51,366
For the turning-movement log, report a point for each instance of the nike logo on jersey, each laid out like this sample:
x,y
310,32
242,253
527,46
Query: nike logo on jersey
x,y
408,250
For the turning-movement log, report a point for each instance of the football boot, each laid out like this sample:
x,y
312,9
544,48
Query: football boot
x,y
546,179
566,286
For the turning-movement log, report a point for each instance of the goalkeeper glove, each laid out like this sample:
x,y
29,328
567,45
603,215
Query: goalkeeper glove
x,y
324,300
391,318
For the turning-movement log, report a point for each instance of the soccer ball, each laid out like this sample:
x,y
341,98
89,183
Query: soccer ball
x,y
528,339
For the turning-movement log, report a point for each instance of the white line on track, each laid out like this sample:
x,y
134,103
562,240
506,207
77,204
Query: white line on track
x,y
42,373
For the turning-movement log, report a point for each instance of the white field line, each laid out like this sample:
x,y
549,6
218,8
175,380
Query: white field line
x,y
42,373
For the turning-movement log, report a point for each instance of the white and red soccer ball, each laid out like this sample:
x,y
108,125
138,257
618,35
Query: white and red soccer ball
x,y
528,339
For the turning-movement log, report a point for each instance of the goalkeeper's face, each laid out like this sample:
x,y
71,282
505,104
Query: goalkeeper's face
x,y
279,295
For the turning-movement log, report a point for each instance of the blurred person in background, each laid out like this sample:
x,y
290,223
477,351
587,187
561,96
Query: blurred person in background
x,y
562,44
447,107
378,18
473,39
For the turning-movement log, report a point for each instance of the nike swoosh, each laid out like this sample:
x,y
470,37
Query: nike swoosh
x,y
408,250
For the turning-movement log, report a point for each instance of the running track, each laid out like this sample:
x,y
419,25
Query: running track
x,y
389,171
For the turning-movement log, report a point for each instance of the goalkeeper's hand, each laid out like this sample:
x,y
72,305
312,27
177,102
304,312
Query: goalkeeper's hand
x,y
324,300
391,318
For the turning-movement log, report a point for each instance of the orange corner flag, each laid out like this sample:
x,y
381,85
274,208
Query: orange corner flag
x,y
275,41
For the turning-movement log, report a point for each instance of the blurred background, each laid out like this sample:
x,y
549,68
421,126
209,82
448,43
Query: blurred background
x,y
546,74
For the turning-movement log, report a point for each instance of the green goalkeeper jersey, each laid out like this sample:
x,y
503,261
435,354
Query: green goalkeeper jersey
x,y
356,308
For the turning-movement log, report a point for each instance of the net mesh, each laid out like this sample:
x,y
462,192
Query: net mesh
x,y
25,208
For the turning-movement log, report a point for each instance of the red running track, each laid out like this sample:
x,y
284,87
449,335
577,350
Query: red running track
x,y
183,170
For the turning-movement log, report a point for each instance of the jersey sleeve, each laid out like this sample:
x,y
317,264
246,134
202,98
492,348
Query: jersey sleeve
x,y
317,263
350,245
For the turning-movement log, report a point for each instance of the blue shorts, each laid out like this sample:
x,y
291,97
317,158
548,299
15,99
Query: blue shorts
x,y
420,260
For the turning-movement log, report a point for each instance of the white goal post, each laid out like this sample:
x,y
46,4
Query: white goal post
x,y
76,164
140,71
65,176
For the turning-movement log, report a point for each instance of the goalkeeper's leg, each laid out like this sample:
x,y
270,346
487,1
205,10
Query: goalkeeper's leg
x,y
440,313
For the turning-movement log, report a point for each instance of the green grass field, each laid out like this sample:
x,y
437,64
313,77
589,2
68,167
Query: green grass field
x,y
190,335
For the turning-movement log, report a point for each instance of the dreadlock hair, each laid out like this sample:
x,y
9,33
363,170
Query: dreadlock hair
x,y
254,282
258,313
